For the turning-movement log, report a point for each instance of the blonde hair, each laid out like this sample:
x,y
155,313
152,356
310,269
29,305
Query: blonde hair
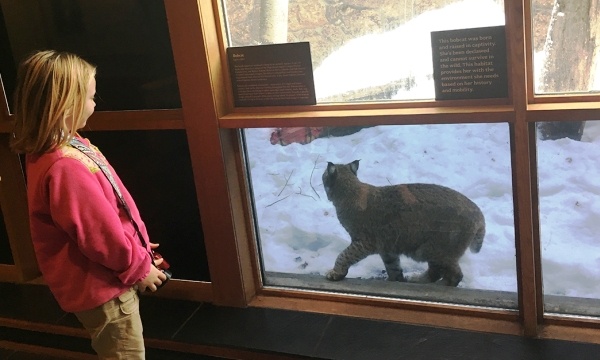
x,y
49,100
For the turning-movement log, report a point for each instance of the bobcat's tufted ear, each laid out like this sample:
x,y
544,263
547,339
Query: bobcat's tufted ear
x,y
354,166
330,168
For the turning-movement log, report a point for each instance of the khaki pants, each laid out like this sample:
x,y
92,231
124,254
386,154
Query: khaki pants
x,y
116,327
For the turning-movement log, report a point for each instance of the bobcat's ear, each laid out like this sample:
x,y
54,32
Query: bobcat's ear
x,y
330,168
354,166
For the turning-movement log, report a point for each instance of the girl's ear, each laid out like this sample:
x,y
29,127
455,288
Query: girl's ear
x,y
69,119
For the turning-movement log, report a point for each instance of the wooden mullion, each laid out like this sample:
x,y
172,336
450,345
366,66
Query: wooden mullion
x,y
136,120
4,114
13,197
527,259
566,98
563,112
197,58
372,116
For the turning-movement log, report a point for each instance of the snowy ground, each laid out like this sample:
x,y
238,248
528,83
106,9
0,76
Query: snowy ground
x,y
300,233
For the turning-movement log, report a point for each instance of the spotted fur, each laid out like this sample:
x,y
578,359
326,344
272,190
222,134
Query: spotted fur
x,y
426,222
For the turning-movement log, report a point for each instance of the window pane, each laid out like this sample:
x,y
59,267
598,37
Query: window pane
x,y
160,179
300,231
5,251
565,46
127,39
361,50
569,198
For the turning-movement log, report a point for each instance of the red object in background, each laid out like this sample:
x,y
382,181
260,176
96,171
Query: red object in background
x,y
304,135
301,135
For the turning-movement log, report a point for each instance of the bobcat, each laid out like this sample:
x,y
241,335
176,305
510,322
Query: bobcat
x,y
426,222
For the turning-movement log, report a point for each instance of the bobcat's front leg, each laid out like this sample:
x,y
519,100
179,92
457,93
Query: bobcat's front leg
x,y
392,267
354,253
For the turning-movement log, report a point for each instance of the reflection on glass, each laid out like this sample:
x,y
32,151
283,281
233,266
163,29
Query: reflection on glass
x,y
564,47
363,51
127,39
569,198
300,230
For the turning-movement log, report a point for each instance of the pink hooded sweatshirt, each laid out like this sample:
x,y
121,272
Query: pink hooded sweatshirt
x,y
85,244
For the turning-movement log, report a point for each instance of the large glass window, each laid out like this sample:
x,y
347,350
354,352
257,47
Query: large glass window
x,y
160,180
569,198
361,51
433,190
302,228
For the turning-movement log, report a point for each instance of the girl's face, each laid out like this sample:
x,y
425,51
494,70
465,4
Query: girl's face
x,y
90,104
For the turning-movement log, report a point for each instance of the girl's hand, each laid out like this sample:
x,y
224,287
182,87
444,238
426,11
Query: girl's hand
x,y
155,277
152,281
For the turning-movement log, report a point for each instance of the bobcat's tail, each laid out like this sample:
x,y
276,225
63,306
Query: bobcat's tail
x,y
477,241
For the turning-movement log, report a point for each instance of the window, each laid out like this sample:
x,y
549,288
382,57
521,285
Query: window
x,y
300,230
569,213
565,46
368,53
134,33
160,180
5,251
363,52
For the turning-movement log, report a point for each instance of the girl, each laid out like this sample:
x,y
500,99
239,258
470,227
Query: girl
x,y
84,240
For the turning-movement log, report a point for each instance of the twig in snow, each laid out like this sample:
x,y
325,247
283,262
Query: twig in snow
x,y
300,193
286,183
271,204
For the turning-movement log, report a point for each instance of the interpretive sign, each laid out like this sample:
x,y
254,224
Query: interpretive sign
x,y
271,75
470,63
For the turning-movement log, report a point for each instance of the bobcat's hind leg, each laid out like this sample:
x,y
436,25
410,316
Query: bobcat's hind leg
x,y
392,267
451,275
432,274
354,253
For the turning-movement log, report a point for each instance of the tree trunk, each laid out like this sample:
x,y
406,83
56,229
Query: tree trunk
x,y
273,21
572,48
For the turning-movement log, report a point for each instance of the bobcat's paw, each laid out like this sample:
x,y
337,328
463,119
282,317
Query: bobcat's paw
x,y
334,276
422,278
396,277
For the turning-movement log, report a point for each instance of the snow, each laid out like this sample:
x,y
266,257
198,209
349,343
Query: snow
x,y
403,53
298,228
